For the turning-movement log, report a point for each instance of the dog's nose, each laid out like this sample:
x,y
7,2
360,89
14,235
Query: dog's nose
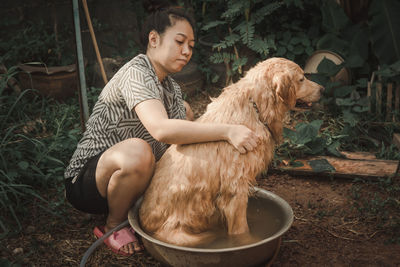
x,y
321,89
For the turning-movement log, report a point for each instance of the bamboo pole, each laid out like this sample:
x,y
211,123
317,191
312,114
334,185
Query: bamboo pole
x,y
96,48
397,104
83,101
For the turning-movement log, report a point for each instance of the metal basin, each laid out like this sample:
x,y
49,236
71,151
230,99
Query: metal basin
x,y
260,252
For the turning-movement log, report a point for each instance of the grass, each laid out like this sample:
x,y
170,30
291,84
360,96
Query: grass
x,y
38,136
378,202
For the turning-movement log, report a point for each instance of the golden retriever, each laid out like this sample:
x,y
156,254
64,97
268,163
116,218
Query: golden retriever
x,y
196,187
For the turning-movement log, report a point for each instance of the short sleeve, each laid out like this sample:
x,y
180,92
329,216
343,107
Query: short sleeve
x,y
137,86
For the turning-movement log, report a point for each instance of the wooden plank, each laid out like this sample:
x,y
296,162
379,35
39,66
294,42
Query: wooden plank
x,y
358,155
389,101
378,98
396,139
345,168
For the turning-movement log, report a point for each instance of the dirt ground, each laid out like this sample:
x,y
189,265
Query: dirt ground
x,y
328,230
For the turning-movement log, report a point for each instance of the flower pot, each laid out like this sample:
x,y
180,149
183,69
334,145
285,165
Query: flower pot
x,y
59,83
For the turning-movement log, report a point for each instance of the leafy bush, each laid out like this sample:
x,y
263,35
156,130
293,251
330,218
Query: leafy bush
x,y
307,139
37,138
245,32
37,42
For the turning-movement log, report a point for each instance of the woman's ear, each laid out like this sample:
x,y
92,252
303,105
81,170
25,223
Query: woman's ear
x,y
154,38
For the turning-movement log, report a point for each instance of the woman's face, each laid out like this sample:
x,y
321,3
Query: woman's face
x,y
172,50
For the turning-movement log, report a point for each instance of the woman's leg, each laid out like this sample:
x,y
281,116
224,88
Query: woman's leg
x,y
122,175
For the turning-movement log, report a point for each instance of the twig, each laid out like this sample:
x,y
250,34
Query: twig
x,y
322,228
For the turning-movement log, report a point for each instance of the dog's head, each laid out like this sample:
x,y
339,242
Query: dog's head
x,y
287,81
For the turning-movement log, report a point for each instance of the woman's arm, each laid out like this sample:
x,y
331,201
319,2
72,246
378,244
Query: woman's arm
x,y
174,131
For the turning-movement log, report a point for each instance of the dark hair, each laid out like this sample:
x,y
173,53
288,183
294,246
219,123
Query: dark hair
x,y
162,19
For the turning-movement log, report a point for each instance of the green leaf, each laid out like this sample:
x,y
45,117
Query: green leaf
x,y
298,50
385,30
234,9
354,61
262,46
333,17
295,40
238,63
321,165
343,91
229,41
281,51
306,132
213,24
246,30
221,57
260,14
333,149
347,102
360,109
350,117
316,146
23,165
215,78
333,43
358,51
289,133
328,67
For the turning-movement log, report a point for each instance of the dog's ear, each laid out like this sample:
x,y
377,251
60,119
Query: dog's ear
x,y
285,89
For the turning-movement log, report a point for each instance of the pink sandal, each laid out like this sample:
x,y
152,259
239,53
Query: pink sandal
x,y
119,239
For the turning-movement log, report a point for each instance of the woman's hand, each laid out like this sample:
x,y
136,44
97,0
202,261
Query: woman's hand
x,y
242,138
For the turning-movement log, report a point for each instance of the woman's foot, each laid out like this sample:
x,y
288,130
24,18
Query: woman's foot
x,y
122,242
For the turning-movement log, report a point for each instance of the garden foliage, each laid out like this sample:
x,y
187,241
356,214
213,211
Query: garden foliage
x,y
38,135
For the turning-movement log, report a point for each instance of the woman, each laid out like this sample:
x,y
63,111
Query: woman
x,y
138,113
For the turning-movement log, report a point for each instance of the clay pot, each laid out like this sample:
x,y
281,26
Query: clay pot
x,y
343,76
59,83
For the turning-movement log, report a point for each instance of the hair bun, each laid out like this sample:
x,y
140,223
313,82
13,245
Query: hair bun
x,y
156,5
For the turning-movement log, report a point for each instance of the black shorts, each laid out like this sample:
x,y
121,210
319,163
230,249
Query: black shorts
x,y
83,193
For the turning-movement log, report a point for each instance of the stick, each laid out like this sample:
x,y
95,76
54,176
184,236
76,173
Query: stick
x,y
397,104
96,48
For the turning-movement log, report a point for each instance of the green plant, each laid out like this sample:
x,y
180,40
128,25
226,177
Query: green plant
x,y
39,43
37,137
306,139
378,201
245,32
237,31
364,52
351,41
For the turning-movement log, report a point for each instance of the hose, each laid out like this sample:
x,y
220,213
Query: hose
x,y
99,241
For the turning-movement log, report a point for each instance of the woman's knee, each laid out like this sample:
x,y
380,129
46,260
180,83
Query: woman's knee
x,y
144,161
136,156
129,157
